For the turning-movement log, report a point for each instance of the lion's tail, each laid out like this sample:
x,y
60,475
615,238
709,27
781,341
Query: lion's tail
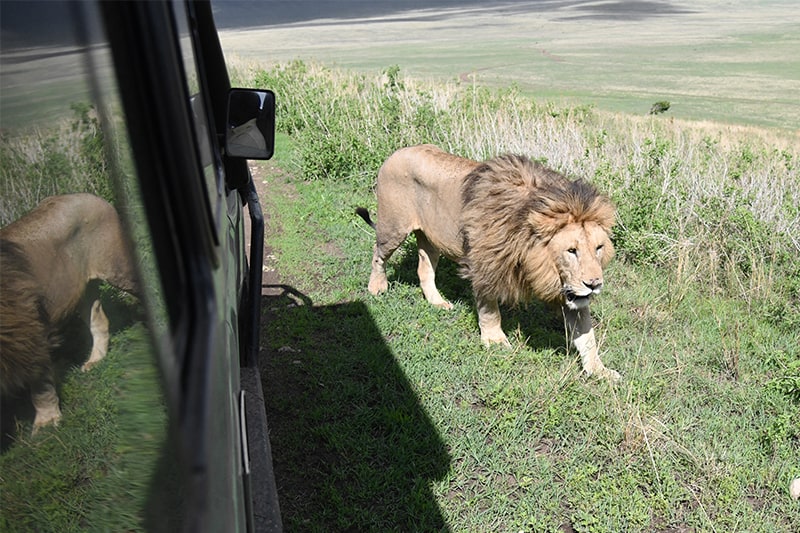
x,y
363,213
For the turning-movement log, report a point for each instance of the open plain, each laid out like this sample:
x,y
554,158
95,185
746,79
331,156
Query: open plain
x,y
387,414
722,60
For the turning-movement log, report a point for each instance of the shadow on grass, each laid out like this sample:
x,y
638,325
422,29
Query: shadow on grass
x,y
353,449
541,324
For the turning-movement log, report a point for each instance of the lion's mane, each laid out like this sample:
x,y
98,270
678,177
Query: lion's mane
x,y
47,258
512,208
26,334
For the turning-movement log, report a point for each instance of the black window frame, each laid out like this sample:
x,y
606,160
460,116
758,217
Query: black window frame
x,y
151,78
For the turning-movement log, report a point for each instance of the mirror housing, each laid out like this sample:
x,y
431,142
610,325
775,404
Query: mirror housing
x,y
250,127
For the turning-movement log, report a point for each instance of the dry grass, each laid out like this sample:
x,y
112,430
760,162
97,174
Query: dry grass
x,y
716,202
38,163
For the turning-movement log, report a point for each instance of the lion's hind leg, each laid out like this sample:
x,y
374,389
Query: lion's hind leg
x,y
426,270
377,279
385,245
98,325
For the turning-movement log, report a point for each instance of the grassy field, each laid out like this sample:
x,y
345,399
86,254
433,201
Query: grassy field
x,y
387,414
728,61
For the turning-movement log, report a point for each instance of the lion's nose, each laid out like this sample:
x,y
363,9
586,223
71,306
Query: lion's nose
x,y
594,284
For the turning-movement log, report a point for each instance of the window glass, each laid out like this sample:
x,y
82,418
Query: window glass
x,y
101,411
196,97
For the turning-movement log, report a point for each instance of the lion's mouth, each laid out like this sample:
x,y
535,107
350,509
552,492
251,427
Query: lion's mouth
x,y
575,300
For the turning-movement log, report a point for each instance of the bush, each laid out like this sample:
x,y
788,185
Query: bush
x,y
37,164
346,125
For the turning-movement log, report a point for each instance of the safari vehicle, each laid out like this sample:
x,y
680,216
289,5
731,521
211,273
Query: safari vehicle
x,y
152,77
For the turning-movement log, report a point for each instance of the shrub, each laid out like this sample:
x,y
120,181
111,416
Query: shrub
x,y
37,164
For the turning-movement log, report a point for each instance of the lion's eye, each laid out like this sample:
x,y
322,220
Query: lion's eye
x,y
572,251
599,248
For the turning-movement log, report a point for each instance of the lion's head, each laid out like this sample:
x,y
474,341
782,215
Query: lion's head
x,y
529,231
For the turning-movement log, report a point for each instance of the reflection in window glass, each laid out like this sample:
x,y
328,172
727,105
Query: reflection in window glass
x,y
63,132
202,128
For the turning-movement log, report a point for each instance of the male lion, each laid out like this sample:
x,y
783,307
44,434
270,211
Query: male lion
x,y
518,230
47,258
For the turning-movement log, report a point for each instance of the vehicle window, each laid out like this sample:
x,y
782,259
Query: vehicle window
x,y
196,97
83,438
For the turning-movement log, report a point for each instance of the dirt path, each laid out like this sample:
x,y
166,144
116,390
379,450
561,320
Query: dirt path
x,y
267,178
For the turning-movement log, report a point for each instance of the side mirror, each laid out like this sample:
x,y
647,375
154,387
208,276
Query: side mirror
x,y
250,131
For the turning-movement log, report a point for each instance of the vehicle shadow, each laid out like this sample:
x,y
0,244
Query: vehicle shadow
x,y
353,449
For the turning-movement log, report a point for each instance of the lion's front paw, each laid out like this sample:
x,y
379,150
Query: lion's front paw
x,y
605,373
490,338
378,284
46,417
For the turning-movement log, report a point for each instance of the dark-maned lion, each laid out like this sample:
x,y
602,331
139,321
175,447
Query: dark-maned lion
x,y
47,258
518,230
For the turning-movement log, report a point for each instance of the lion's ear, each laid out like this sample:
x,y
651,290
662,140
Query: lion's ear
x,y
604,213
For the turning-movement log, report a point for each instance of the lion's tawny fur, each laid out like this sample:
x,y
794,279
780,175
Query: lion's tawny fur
x,y
518,230
47,258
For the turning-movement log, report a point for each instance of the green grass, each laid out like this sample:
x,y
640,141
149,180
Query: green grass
x,y
387,414
64,158
94,471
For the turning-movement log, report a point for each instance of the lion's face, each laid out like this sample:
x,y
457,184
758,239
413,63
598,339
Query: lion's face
x,y
580,251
